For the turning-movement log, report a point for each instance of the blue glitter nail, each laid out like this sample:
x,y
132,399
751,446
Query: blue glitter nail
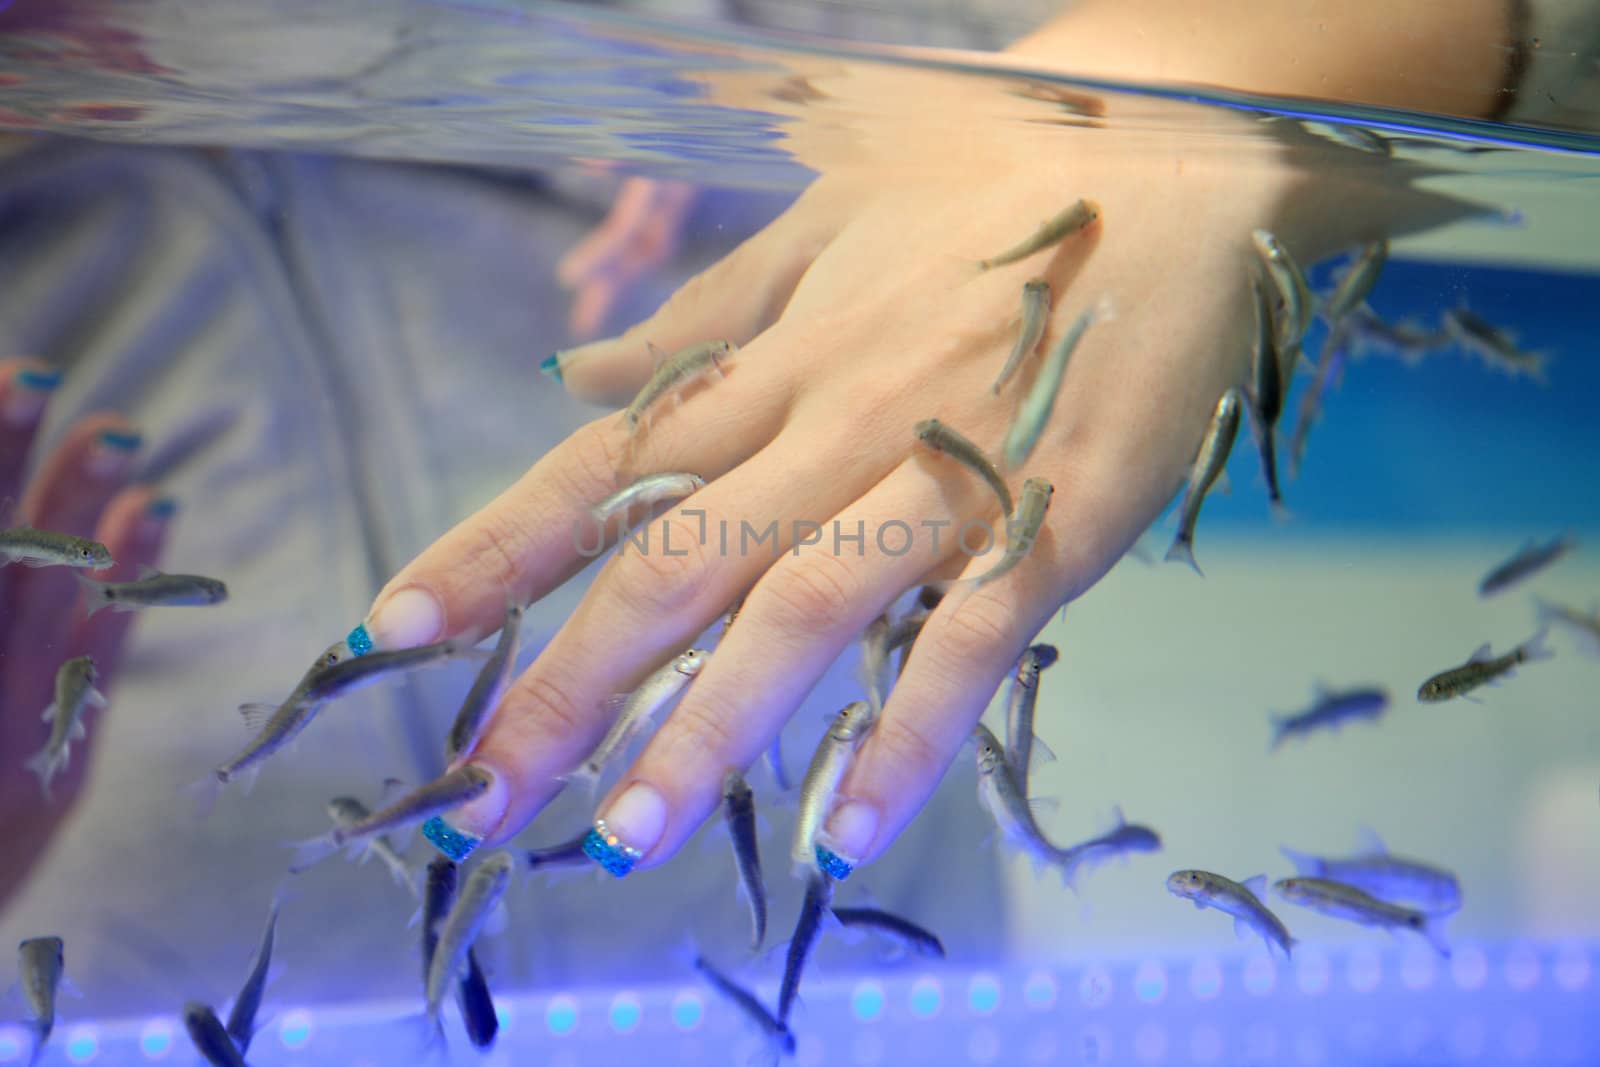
x,y
120,440
830,864
447,839
360,641
603,847
40,381
551,365
162,507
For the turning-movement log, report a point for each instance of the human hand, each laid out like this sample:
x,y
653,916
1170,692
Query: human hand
x,y
81,488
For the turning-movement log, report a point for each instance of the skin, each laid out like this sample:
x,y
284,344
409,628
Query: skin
x,y
837,361
82,489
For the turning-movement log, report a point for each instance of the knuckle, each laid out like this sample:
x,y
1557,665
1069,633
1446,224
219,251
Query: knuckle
x,y
546,709
594,457
501,543
978,627
818,591
902,745
702,732
665,566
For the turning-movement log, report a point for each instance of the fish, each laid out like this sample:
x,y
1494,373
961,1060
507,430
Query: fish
x,y
1122,839
349,812
472,993
446,792
739,809
1012,812
1242,900
1481,669
1077,216
41,964
1209,464
1019,711
1330,367
828,765
75,692
1290,283
902,931
1528,560
477,709
1587,626
46,548
1022,530
1357,282
817,904
674,372
1268,384
1329,710
941,438
779,1038
631,711
153,589
460,928
345,677
1396,879
1034,412
242,1017
210,1038
650,489
1405,339
438,897
568,855
1339,901
1493,345
903,635
874,659
476,1002
1035,314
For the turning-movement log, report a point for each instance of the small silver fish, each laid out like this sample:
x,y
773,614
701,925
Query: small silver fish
x,y
1035,313
1075,217
1022,530
1034,413
1019,711
779,1039
242,1018
817,904
1493,345
446,792
41,963
1290,282
473,997
648,490
821,782
739,809
568,855
1339,901
675,372
153,589
941,438
45,548
1123,839
1329,710
75,692
1396,879
1406,339
1268,384
1209,464
903,635
902,931
485,886
473,717
349,812
1585,625
875,659
633,710
347,676
438,897
1482,669
210,1038
1528,560
472,993
1357,282
1012,814
1330,368
1242,900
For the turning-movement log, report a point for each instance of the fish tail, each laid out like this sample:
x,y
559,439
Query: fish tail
x,y
1536,647
1280,731
1433,928
94,594
308,854
46,763
1183,550
427,1031
203,793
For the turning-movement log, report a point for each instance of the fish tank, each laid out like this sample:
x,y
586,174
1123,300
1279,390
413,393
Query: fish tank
x,y
309,256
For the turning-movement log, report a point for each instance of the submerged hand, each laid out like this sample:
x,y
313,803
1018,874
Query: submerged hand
x,y
81,488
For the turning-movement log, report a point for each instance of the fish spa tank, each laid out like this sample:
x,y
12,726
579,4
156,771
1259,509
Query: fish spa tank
x,y
280,277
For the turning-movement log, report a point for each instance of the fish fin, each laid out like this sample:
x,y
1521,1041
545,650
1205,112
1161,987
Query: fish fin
x,y
1118,821
1223,484
1480,654
66,985
498,919
1257,884
1183,551
1537,647
203,794
1044,804
309,853
1369,842
1199,905
1241,930
256,715
45,765
393,790
247,779
1433,928
94,597
1305,864
49,712
1280,730
96,699
427,1033
147,571
585,781
76,732
1041,751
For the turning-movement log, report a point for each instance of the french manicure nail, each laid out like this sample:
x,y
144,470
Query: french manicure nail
x,y
847,838
407,619
468,825
32,390
630,827
111,453
551,366
162,507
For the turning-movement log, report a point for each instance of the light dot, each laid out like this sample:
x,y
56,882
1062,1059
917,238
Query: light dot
x,y
1039,991
1522,967
295,1030
1522,1038
1150,1043
504,1014
155,1040
1470,967
867,1001
983,994
1468,1038
1205,1044
1312,970
83,1045
561,1014
1571,968
1363,970
10,1044
1419,968
1044,1047
1260,1042
1260,975
1094,989
984,1045
868,1047
1150,982
625,1013
926,997
687,1010
1310,1049
1205,979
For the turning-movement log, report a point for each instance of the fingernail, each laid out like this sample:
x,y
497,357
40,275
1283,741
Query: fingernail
x,y
469,824
162,507
631,827
111,452
448,840
847,837
407,619
26,402
551,365
358,641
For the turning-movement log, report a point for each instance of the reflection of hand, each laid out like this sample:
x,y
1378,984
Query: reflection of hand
x,y
861,311
81,488
639,234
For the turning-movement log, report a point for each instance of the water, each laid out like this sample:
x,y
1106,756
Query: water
x,y
328,334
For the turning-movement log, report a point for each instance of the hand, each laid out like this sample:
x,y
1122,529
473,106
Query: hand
x,y
861,311
640,233
81,488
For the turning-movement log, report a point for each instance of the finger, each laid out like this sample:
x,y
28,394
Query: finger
x,y
735,300
134,528
646,248
636,199
25,388
540,531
